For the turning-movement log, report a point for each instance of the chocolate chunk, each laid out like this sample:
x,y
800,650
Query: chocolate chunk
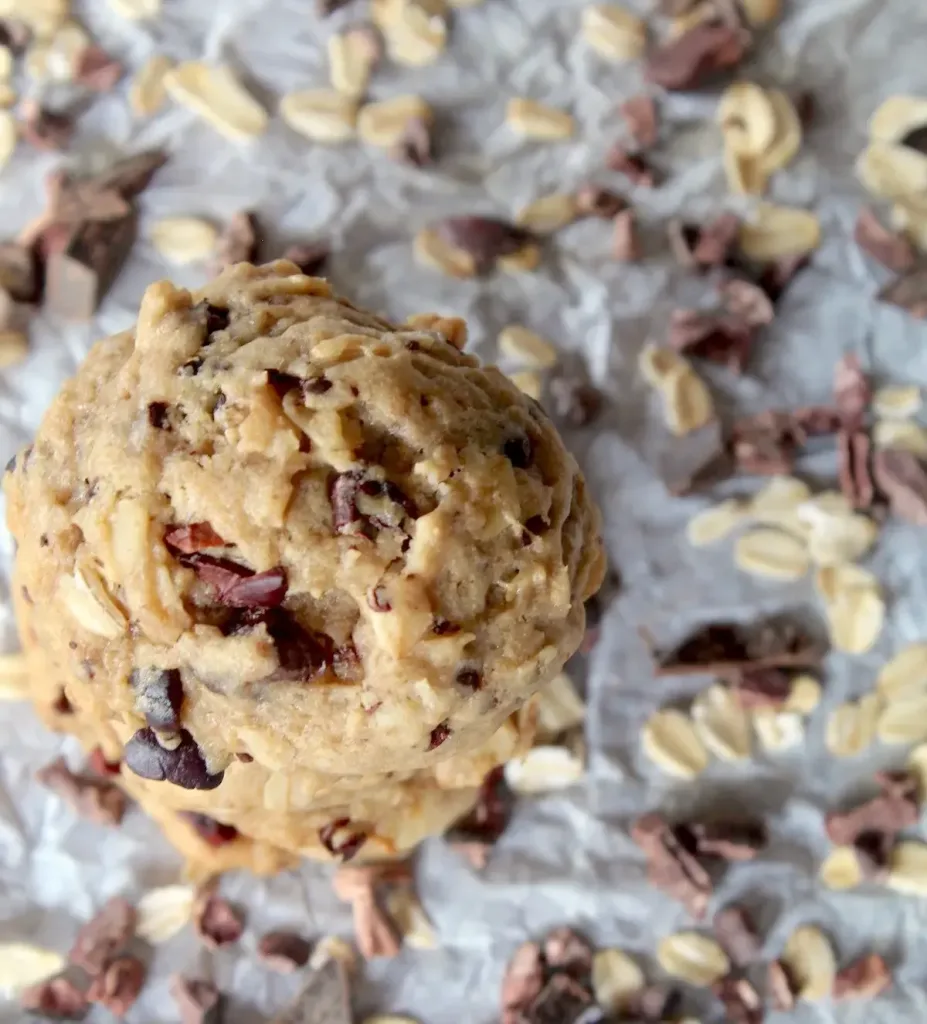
x,y
283,951
100,766
697,56
283,383
44,129
323,1000
187,540
490,816
89,796
183,765
778,275
895,809
781,987
304,655
731,841
672,865
340,841
215,318
734,930
632,165
77,277
107,933
58,998
485,239
625,242
574,399
118,986
415,147
215,921
158,696
519,451
96,69
561,1001
742,1003
853,457
890,248
863,979
131,175
208,829
198,1002
438,735
640,115
310,258
566,950
902,478
237,586
158,415
873,851
717,338
596,201
239,242
908,292
19,272
762,688
343,498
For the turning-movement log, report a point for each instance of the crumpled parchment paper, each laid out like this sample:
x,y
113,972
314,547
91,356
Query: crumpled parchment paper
x,y
567,858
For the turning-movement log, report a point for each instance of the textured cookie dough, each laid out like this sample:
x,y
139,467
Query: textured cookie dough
x,y
266,535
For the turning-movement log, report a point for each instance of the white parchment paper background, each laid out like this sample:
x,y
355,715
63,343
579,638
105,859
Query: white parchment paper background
x,y
566,859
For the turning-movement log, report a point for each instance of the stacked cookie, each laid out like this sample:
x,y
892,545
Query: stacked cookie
x,y
296,570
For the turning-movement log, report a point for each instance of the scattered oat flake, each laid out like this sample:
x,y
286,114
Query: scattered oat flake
x,y
184,239
851,727
14,676
903,720
614,32
410,918
722,723
900,435
693,958
616,979
543,769
527,347
22,964
905,672
559,707
136,10
538,121
163,912
385,122
688,405
897,401
215,94
548,214
809,959
841,869
747,118
776,232
669,739
528,382
907,869
147,93
716,523
777,730
771,554
352,55
804,695
432,250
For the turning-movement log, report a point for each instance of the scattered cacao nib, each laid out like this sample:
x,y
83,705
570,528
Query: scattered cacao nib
x,y
438,735
97,70
44,129
340,841
890,248
130,175
485,239
734,930
902,478
187,540
323,1000
100,766
596,201
239,242
742,1003
640,115
718,338
215,921
566,950
159,415
19,272
490,816
873,851
310,257
519,451
90,796
283,951
715,241
895,809
105,935
182,766
237,586
352,493
57,998
672,865
683,238
415,146
806,106
574,399
158,696
863,979
781,986
762,688
561,1001
852,393
118,986
731,841
727,648
654,1004
626,246
198,1002
854,473
214,318
747,302
695,57
632,165
208,829
908,292
778,275
522,982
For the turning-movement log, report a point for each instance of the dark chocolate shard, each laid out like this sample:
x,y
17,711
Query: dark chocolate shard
x,y
182,765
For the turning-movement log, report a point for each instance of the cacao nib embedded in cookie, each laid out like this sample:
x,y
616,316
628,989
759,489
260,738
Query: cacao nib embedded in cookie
x,y
216,318
236,586
438,735
208,829
519,451
343,498
303,654
317,385
187,540
158,415
469,678
378,600
191,367
340,839
282,382
62,705
159,696
283,951
183,766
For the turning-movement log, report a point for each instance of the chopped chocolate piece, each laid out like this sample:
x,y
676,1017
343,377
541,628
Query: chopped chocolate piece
x,y
654,1004
131,175
727,648
742,1003
890,248
852,393
908,292
640,115
283,951
187,540
469,679
717,338
671,862
96,69
561,1001
566,950
338,838
889,813
695,57
778,275
683,239
519,451
781,986
863,979
323,1000
916,139
856,483
58,998
596,201
490,816
874,850
107,933
304,655
77,277
208,829
762,688
438,735
100,766
632,165
239,242
731,841
815,421
158,696
91,797
715,240
310,258
198,1002
522,982
158,415
415,146
574,399
485,239
237,586
118,986
18,272
902,478
62,705
215,921
747,301
625,242
765,444
182,765
44,129
734,930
